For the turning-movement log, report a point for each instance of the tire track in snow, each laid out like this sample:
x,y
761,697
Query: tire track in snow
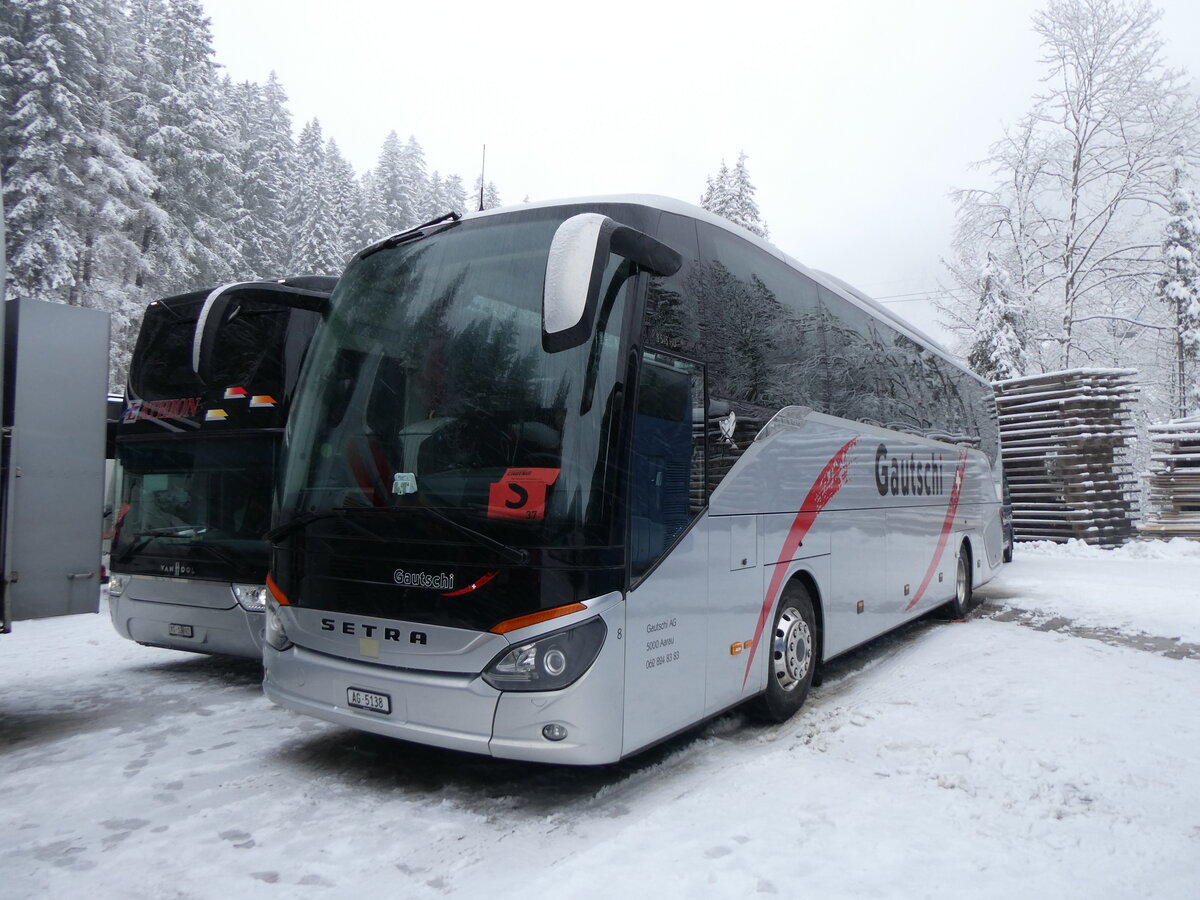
x,y
994,605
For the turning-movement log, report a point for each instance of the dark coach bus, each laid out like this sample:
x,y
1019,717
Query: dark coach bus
x,y
210,384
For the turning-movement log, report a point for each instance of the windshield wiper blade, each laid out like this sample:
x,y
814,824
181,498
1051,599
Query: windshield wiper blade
x,y
514,554
279,532
142,538
411,235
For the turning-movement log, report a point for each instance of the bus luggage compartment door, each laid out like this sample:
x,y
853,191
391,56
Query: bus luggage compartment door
x,y
665,664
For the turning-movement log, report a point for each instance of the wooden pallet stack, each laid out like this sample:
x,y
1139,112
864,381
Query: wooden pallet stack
x,y
1173,500
1065,438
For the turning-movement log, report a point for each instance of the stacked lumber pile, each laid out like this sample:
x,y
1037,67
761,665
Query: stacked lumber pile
x,y
1173,502
1065,438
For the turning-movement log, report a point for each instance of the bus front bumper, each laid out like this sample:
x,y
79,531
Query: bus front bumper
x,y
230,632
457,711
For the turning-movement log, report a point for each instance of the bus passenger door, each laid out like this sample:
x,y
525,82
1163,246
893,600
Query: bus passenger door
x,y
667,605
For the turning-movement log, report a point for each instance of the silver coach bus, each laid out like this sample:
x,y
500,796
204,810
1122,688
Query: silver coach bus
x,y
564,480
198,446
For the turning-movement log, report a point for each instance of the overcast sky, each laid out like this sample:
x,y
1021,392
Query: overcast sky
x,y
858,118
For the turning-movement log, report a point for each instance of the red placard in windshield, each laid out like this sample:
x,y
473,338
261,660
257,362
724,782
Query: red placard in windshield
x,y
521,494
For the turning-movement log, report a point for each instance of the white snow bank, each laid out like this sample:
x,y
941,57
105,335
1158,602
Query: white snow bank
x,y
1143,588
1176,548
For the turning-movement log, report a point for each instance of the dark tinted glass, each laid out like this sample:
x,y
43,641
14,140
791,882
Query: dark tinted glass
x,y
249,350
666,484
771,337
202,502
428,387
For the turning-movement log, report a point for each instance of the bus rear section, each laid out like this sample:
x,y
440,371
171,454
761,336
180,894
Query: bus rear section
x,y
566,480
198,448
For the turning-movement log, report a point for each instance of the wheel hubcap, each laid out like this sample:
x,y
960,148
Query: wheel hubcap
x,y
960,582
793,649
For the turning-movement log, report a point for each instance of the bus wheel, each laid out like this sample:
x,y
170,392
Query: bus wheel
x,y
961,604
791,657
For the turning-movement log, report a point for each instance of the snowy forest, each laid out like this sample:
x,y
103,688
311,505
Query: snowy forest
x,y
1083,251
133,169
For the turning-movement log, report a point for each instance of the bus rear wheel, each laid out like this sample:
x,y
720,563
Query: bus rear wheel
x,y
961,604
792,657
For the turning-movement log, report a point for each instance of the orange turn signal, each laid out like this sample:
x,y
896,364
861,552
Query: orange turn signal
x,y
280,596
534,618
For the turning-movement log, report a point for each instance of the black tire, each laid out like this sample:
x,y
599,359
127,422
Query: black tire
x,y
960,605
791,650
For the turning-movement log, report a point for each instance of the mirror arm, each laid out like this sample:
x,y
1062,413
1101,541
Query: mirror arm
x,y
650,254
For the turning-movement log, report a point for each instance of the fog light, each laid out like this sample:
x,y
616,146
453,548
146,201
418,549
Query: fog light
x,y
554,732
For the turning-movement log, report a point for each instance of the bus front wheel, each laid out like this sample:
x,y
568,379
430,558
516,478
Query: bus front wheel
x,y
791,656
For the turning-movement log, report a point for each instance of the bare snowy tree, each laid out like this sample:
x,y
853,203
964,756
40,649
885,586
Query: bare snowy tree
x,y
1082,188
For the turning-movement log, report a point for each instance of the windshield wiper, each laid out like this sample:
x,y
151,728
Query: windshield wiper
x,y
513,554
411,235
142,538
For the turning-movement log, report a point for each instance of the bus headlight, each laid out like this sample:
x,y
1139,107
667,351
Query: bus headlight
x,y
550,662
116,584
273,632
251,597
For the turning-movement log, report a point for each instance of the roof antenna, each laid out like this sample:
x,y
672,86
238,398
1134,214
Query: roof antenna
x,y
482,172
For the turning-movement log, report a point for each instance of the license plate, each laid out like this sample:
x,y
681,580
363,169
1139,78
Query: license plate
x,y
369,700
176,630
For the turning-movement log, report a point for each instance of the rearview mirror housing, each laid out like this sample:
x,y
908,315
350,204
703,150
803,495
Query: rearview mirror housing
x,y
575,268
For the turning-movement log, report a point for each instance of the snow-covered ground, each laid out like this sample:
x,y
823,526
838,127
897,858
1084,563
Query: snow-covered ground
x,y
1048,747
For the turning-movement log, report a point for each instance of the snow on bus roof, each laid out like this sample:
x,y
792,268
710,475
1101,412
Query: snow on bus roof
x,y
831,282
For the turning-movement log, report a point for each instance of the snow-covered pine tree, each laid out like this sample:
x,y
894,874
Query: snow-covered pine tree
x,y
746,208
178,132
731,195
716,197
278,165
315,241
345,202
263,153
455,195
415,181
490,196
373,218
998,352
117,188
44,60
393,195
1179,288
435,198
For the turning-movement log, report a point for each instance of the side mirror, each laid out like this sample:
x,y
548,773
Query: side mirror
x,y
575,268
306,292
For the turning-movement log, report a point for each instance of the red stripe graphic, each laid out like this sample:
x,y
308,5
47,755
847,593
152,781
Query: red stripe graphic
x,y
476,585
951,509
835,474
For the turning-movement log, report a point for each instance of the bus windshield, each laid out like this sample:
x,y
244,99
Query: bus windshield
x,y
196,508
427,391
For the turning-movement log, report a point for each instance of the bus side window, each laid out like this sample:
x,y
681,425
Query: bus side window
x,y
667,481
